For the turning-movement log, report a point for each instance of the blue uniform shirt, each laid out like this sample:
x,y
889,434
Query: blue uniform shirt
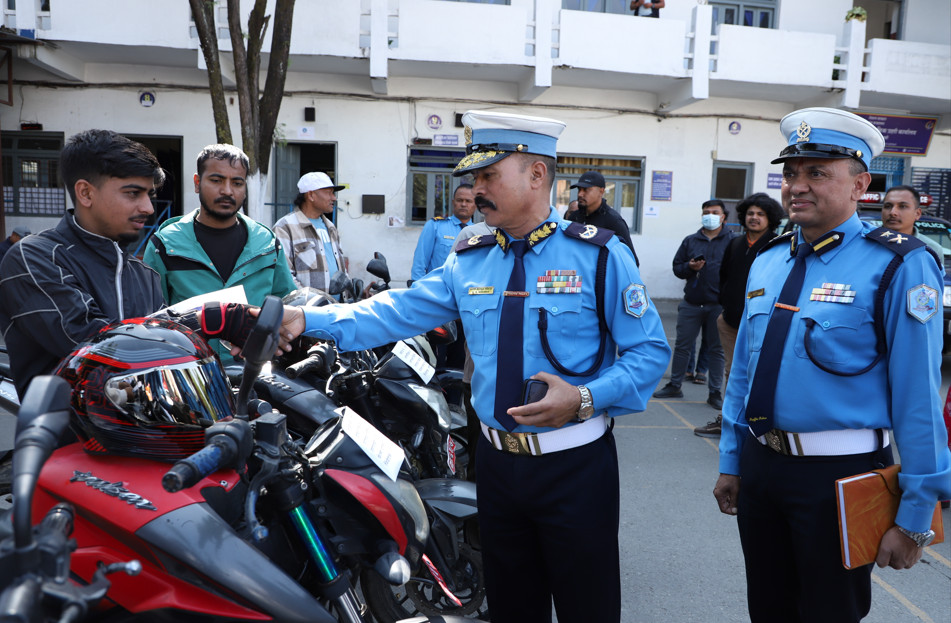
x,y
434,245
900,392
470,285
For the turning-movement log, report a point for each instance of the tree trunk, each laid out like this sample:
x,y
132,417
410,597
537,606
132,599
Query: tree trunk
x,y
203,11
258,112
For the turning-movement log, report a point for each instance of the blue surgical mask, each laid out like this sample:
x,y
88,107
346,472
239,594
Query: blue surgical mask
x,y
710,221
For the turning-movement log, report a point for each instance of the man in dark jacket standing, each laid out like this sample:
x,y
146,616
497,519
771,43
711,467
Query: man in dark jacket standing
x,y
60,286
698,261
760,215
594,210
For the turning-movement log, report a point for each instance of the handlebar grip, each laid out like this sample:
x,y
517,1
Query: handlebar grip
x,y
187,472
58,519
305,365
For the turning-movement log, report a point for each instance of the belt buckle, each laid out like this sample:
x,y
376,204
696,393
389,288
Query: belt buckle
x,y
777,441
514,443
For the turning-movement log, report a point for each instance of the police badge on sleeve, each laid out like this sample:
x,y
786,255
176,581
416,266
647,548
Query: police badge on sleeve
x,y
922,303
635,300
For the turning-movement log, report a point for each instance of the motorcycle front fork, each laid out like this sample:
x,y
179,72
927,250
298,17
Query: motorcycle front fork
x,y
345,599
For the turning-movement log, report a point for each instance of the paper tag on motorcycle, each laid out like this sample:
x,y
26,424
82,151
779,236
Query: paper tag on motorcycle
x,y
387,455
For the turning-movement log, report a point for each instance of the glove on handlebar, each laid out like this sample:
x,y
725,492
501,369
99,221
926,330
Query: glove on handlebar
x,y
227,321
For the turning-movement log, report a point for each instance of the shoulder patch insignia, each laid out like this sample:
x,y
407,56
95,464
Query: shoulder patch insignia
x,y
635,300
589,233
922,303
474,242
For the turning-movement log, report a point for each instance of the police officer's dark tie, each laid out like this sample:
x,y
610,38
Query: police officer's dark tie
x,y
508,377
759,407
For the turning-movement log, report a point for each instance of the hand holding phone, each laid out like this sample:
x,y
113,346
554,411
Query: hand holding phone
x,y
533,391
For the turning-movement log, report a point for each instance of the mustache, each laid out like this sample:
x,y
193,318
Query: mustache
x,y
484,204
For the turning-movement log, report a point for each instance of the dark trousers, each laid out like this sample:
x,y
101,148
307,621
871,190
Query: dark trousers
x,y
789,530
549,527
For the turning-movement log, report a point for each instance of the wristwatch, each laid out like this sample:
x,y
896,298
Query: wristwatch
x,y
921,539
586,410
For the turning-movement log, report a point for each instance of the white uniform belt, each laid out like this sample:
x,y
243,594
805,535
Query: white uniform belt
x,y
824,443
536,444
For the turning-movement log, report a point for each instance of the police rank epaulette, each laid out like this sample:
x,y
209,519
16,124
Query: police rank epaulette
x,y
900,244
789,235
475,242
589,233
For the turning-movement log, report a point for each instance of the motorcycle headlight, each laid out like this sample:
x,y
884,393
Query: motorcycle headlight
x,y
437,402
947,296
409,499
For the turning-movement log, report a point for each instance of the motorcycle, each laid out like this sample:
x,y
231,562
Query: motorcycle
x,y
34,562
395,400
252,525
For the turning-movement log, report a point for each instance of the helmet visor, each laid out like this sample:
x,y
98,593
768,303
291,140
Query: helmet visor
x,y
195,393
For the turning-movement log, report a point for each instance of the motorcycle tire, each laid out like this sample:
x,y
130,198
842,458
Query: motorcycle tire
x,y
389,603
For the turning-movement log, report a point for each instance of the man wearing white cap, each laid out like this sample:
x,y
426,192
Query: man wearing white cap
x,y
846,315
535,306
15,236
307,234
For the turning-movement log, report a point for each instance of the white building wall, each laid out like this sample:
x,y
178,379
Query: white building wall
x,y
926,21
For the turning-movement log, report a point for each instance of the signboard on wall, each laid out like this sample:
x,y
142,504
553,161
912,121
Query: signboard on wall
x,y
662,183
904,135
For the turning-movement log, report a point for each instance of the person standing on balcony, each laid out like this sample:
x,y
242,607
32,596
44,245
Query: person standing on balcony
x,y
698,262
216,246
644,8
760,215
840,348
308,236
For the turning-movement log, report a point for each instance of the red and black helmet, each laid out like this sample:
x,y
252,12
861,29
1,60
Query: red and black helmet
x,y
146,387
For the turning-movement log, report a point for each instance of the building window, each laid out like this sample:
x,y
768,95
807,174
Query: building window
x,y
31,184
622,184
756,13
621,7
431,184
934,182
732,182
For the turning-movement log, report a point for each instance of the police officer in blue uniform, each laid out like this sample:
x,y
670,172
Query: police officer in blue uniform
x,y
548,471
438,235
863,350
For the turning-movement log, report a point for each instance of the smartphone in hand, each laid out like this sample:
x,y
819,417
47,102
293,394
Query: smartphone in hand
x,y
533,391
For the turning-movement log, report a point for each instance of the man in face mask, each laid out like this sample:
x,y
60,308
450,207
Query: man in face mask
x,y
698,262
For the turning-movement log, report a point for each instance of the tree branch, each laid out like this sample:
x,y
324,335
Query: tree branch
x,y
276,77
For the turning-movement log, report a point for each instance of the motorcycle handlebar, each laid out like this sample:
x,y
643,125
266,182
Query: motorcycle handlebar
x,y
227,444
187,472
313,362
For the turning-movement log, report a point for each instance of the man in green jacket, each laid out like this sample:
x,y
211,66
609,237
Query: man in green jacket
x,y
216,246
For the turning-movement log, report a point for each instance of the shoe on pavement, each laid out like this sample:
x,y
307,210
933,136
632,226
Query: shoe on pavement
x,y
688,376
715,400
710,429
669,391
700,379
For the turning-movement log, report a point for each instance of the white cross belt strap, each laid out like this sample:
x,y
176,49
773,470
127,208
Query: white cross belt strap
x,y
536,444
824,443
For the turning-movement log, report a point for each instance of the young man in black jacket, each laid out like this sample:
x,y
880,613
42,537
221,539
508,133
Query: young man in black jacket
x,y
698,262
760,215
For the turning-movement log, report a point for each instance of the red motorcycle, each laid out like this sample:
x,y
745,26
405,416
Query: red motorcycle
x,y
249,524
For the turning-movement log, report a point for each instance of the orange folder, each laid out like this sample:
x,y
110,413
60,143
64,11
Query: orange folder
x,y
868,504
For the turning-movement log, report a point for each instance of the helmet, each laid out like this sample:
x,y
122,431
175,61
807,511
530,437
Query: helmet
x,y
146,387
